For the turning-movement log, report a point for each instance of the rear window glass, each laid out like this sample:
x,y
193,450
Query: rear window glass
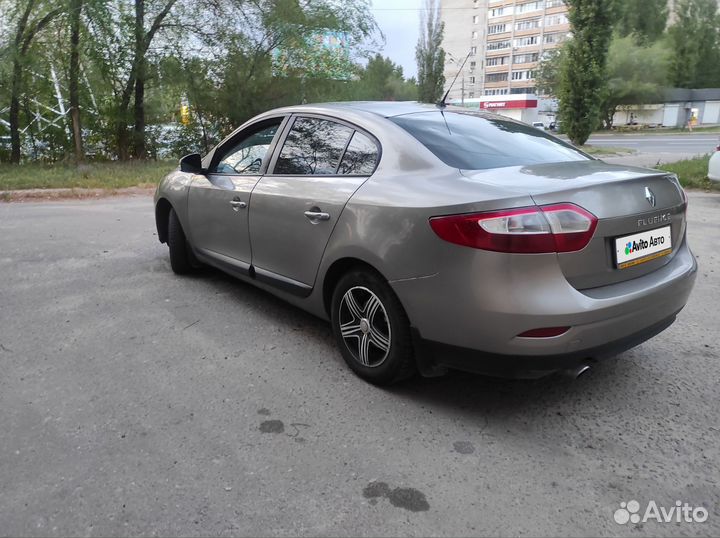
x,y
476,142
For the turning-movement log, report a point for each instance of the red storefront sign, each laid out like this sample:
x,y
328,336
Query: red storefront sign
x,y
520,103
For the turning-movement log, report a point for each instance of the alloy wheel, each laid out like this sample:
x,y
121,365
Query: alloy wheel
x,y
365,326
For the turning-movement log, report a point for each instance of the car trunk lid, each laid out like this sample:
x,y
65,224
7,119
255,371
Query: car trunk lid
x,y
626,201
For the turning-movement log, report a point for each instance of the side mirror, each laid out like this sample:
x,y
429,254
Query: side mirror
x,y
191,163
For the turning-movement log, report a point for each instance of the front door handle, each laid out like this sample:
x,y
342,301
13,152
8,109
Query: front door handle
x,y
237,204
317,216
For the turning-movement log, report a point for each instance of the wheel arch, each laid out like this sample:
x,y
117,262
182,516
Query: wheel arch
x,y
335,272
162,214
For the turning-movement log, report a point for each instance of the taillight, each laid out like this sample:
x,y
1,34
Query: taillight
x,y
527,230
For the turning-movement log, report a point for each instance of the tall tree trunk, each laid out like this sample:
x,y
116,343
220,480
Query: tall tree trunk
x,y
75,12
16,85
24,36
139,105
123,140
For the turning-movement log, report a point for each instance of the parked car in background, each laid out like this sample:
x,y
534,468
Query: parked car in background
x,y
539,125
714,165
436,238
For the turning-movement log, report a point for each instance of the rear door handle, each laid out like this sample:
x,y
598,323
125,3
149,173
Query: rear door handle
x,y
237,204
317,216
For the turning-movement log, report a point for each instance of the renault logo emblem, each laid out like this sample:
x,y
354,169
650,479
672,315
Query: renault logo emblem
x,y
650,196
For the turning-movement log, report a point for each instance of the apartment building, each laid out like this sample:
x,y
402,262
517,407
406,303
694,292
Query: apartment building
x,y
505,40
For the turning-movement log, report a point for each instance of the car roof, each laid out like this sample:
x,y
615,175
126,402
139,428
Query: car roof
x,y
386,109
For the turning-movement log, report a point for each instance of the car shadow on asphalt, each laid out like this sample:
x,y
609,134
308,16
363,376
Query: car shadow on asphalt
x,y
455,389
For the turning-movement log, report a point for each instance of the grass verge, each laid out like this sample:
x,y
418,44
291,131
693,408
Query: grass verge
x,y
691,172
104,175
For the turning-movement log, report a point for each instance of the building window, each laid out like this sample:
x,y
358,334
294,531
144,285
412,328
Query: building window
x,y
471,95
472,80
497,29
556,20
516,91
496,77
497,60
497,12
498,45
528,24
496,91
554,3
473,51
526,41
555,38
529,6
526,58
523,75
476,19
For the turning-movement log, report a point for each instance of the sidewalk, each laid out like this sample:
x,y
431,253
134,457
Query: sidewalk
x,y
645,160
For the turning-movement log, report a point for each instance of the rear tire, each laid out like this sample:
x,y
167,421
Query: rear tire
x,y
371,328
180,254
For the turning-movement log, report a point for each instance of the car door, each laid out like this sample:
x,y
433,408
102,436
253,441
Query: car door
x,y
320,164
218,201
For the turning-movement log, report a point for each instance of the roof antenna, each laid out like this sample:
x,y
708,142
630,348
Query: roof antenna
x,y
442,103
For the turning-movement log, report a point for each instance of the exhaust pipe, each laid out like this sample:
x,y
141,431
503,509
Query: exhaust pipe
x,y
576,372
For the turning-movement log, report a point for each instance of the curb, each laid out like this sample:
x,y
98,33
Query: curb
x,y
35,195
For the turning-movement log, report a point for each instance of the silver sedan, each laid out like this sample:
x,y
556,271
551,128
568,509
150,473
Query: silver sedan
x,y
436,238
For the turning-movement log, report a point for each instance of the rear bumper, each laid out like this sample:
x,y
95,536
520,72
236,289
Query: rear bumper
x,y
477,330
436,354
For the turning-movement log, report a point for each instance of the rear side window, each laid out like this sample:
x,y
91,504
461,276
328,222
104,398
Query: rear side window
x,y
360,156
313,147
476,142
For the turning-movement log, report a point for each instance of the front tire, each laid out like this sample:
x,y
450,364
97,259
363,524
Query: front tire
x,y
180,255
371,328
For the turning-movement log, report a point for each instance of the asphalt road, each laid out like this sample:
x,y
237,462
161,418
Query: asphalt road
x,y
136,402
683,144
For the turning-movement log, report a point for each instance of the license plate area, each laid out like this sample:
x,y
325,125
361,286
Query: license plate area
x,y
634,249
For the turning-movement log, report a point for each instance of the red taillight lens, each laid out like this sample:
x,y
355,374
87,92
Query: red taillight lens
x,y
526,230
545,332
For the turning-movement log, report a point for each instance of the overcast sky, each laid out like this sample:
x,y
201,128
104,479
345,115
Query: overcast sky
x,y
399,20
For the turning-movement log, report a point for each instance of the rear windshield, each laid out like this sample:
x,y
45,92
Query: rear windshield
x,y
476,142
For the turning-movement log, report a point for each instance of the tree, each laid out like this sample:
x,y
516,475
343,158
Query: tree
x,y
123,34
29,24
583,69
429,54
382,80
645,20
636,75
74,13
695,41
134,63
547,73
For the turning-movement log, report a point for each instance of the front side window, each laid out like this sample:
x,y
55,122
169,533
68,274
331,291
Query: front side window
x,y
247,155
475,141
313,147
